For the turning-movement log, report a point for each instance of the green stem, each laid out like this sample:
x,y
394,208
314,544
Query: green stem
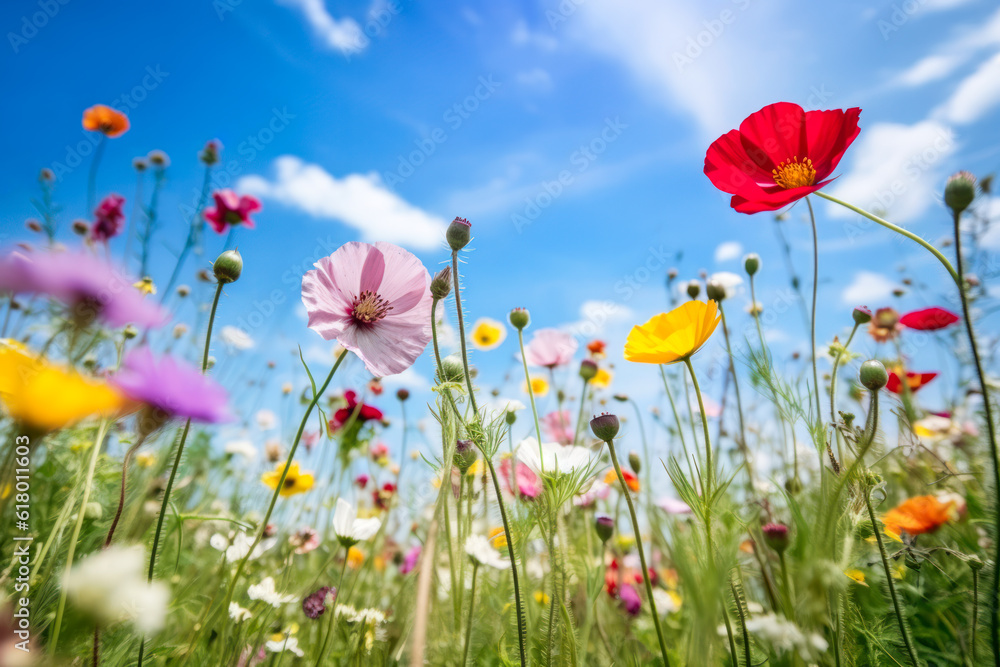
x,y
461,331
743,624
812,319
531,396
333,609
677,419
579,417
472,608
642,554
899,230
710,467
92,176
75,538
739,403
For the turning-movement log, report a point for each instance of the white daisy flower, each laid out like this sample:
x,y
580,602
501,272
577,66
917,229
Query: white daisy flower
x,y
480,550
266,592
557,459
350,529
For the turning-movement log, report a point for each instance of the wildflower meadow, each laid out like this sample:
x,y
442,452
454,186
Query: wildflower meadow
x,y
379,456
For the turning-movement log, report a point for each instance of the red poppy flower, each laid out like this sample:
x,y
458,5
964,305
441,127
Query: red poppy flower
x,y
779,155
231,209
381,497
929,319
914,380
364,412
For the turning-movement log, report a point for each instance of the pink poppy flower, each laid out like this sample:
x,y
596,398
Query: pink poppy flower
x,y
375,300
559,426
673,505
108,219
410,560
550,348
630,599
90,288
231,209
529,485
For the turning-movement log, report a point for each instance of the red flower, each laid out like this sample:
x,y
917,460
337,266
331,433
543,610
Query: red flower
x,y
779,155
929,319
231,209
108,218
914,380
381,497
364,412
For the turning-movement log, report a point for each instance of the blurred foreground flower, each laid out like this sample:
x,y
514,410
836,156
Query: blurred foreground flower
x,y
487,334
550,348
918,515
104,119
296,481
913,380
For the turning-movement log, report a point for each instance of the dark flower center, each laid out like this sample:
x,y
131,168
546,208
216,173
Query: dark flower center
x,y
369,307
290,482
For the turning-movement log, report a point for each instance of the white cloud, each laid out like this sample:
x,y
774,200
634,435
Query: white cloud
x,y
867,287
895,168
595,316
975,96
344,35
410,379
929,69
359,200
534,78
728,250
523,36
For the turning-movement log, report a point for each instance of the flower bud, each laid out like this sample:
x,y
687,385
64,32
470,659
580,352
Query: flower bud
x,y
459,233
402,393
621,398
183,291
441,284
158,158
33,225
604,526
510,418
715,291
634,462
139,164
862,315
693,289
209,155
46,175
959,191
605,426
873,375
519,318
751,263
588,370
130,332
975,563
452,369
465,455
776,536
80,227
228,266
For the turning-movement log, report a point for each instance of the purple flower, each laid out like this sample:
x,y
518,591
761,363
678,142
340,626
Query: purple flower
x,y
90,287
172,387
410,560
315,605
375,300
630,599
108,219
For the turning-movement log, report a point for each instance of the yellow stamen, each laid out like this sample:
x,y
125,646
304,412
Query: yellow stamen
x,y
794,174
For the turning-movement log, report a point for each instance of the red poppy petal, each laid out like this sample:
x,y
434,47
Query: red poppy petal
x,y
929,319
772,201
774,134
828,135
729,167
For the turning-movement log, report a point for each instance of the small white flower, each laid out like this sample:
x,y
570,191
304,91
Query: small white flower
x,y
480,550
783,635
499,407
266,419
235,338
243,448
558,459
240,547
238,613
266,592
287,643
369,615
665,602
351,529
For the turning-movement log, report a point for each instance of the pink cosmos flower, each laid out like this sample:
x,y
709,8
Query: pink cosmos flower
x,y
375,301
673,505
559,426
90,288
597,491
630,599
231,209
174,388
550,348
309,439
410,560
529,485
304,540
108,219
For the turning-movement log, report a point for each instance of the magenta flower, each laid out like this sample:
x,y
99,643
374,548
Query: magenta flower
x,y
410,560
559,427
630,599
231,209
109,219
91,288
314,605
529,485
375,301
174,388
550,348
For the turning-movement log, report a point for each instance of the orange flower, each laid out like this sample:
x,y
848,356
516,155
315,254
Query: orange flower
x,y
596,349
104,119
921,514
631,481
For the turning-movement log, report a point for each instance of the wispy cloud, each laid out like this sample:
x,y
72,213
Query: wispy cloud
x,y
343,35
361,201
867,287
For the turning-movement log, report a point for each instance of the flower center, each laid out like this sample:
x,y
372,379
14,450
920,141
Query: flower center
x,y
794,174
290,482
370,307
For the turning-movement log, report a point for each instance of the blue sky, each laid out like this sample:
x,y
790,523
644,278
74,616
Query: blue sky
x,y
383,121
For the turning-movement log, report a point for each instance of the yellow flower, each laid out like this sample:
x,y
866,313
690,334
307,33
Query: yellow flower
x,y
355,557
539,386
295,482
476,468
145,286
498,538
603,378
488,334
145,459
541,598
858,576
47,397
671,337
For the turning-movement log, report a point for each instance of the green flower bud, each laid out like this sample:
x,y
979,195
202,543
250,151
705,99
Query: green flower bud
x,y
441,284
588,370
519,318
604,526
715,291
465,455
693,289
959,191
228,266
605,426
634,462
873,375
459,233
452,368
862,315
751,263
